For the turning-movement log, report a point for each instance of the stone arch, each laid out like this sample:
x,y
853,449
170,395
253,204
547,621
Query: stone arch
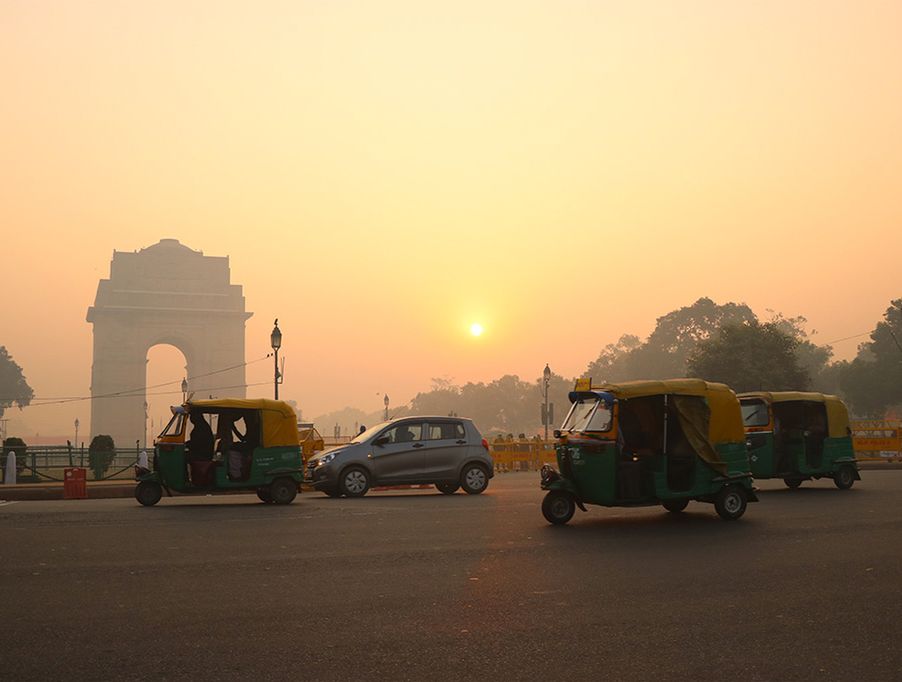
x,y
164,294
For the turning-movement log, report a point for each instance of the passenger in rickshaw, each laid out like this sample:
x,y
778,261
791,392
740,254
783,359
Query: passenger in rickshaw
x,y
199,451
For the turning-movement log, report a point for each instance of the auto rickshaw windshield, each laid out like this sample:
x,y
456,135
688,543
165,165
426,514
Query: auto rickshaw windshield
x,y
754,413
174,427
588,414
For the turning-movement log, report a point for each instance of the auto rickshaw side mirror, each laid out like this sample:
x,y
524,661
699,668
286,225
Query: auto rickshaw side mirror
x,y
557,433
380,441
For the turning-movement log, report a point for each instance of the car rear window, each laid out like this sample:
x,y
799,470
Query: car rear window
x,y
446,431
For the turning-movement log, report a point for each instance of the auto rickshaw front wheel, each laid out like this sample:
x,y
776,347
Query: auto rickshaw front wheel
x,y
283,490
844,478
148,493
731,502
558,507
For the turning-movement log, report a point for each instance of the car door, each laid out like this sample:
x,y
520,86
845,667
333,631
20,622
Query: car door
x,y
445,446
399,458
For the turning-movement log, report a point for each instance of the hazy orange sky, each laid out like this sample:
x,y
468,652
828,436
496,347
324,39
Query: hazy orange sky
x,y
382,174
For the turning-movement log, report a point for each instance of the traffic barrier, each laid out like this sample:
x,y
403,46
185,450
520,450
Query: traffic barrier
x,y
877,439
521,455
75,484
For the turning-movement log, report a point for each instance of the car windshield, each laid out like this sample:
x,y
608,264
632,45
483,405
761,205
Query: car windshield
x,y
754,413
369,433
588,414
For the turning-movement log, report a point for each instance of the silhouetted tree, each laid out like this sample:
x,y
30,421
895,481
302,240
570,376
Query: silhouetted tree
x,y
14,390
872,382
750,357
101,453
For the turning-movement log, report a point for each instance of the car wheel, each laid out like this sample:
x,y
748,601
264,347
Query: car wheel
x,y
558,507
354,482
792,482
447,488
264,495
148,493
731,502
675,506
844,478
474,479
283,491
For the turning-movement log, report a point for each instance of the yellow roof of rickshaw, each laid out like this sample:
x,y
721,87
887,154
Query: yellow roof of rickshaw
x,y
725,425
837,414
279,422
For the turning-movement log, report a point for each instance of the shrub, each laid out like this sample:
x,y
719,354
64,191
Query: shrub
x,y
101,453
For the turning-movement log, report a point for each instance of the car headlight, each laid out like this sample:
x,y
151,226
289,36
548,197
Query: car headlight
x,y
325,459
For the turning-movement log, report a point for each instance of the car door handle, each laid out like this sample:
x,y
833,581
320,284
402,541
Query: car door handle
x,y
417,445
461,442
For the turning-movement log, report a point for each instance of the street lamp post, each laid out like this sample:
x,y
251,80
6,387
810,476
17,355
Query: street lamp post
x,y
275,340
76,432
145,424
546,379
386,407
185,389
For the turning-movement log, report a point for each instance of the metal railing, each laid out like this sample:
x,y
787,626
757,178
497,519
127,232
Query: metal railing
x,y
48,463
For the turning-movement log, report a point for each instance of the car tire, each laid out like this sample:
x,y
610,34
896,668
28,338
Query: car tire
x,y
264,495
283,490
731,502
844,478
558,507
148,493
354,482
447,488
474,479
792,482
675,506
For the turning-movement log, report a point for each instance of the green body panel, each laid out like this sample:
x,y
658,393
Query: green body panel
x,y
267,463
797,460
596,476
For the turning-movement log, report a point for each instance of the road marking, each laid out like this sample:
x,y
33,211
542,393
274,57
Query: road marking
x,y
3,502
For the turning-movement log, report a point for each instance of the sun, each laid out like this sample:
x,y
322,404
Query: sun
x,y
476,329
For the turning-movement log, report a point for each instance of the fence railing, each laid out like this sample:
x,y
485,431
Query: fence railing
x,y
48,462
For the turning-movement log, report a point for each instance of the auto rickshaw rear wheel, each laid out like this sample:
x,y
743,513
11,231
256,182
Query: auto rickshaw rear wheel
x,y
283,490
447,488
558,507
844,478
731,502
675,506
264,495
148,493
792,482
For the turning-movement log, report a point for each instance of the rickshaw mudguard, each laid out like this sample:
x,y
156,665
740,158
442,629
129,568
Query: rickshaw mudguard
x,y
566,486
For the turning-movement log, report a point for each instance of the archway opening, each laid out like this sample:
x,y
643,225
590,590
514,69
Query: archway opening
x,y
166,367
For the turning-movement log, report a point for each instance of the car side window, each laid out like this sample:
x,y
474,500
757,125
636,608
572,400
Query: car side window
x,y
405,433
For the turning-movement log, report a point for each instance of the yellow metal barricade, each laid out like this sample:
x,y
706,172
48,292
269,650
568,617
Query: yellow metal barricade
x,y
877,439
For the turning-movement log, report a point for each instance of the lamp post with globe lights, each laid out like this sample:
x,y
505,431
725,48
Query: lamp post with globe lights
x,y
275,340
547,415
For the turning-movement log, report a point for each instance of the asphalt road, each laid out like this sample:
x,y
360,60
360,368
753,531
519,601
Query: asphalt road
x,y
416,585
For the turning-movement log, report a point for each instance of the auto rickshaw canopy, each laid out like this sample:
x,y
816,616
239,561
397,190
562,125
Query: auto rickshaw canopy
x,y
724,424
837,414
279,424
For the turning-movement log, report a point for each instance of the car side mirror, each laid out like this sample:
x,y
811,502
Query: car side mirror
x,y
380,441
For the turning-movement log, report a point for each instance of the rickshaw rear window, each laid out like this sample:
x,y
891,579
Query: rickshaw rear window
x,y
588,414
754,413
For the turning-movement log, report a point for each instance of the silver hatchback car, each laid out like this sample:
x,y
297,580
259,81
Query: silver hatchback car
x,y
448,452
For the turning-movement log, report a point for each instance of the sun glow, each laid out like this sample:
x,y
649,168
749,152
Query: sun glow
x,y
476,329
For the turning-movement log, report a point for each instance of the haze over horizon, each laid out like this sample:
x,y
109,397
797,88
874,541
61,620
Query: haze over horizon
x,y
383,176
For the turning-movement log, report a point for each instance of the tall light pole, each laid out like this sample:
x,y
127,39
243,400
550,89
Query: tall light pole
x,y
386,407
275,340
76,432
185,389
546,379
145,424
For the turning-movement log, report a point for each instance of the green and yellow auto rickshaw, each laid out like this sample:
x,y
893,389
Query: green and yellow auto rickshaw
x,y
645,443
799,436
217,446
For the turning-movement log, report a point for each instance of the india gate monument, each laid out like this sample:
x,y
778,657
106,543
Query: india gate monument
x,y
164,294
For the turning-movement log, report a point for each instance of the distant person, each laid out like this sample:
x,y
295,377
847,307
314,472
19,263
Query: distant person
x,y
362,429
